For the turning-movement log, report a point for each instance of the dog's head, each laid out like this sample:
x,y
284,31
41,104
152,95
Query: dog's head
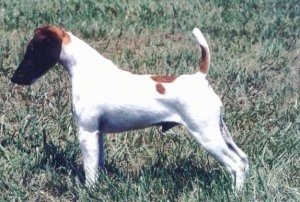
x,y
42,53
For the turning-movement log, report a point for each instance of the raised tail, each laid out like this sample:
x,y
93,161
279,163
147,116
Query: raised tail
x,y
205,55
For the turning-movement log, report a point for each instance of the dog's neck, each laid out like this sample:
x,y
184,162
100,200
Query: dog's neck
x,y
80,59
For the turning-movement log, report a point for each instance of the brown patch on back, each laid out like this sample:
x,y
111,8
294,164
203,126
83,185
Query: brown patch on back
x,y
163,79
160,88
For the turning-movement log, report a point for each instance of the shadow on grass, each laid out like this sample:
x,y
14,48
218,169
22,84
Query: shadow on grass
x,y
169,180
62,159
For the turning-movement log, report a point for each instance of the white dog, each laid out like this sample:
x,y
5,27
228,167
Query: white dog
x,y
107,99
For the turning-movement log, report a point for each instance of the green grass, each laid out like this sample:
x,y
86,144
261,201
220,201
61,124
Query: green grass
x,y
255,69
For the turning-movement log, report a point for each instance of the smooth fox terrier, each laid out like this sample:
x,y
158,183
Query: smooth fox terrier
x,y
107,99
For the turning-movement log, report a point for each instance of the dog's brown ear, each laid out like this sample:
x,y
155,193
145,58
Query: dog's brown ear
x,y
48,34
53,31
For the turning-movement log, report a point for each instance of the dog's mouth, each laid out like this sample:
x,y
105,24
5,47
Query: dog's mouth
x,y
17,79
27,73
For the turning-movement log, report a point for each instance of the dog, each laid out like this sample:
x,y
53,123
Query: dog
x,y
107,99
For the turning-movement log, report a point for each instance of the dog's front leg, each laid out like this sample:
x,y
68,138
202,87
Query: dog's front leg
x,y
89,144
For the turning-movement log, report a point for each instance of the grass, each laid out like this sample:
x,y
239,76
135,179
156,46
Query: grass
x,y
255,69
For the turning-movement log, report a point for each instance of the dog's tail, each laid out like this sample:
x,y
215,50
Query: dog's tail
x,y
205,55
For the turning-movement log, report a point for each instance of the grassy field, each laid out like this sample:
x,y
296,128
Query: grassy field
x,y
255,69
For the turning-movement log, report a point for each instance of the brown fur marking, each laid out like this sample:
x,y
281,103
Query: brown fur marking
x,y
204,61
58,31
163,79
61,33
160,88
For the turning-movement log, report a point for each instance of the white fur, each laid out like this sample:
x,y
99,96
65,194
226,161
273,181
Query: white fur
x,y
125,101
107,99
199,36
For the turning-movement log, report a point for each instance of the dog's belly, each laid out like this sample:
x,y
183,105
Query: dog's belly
x,y
112,128
120,120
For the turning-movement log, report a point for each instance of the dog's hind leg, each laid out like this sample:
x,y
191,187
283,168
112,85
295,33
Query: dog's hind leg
x,y
231,144
222,149
239,176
